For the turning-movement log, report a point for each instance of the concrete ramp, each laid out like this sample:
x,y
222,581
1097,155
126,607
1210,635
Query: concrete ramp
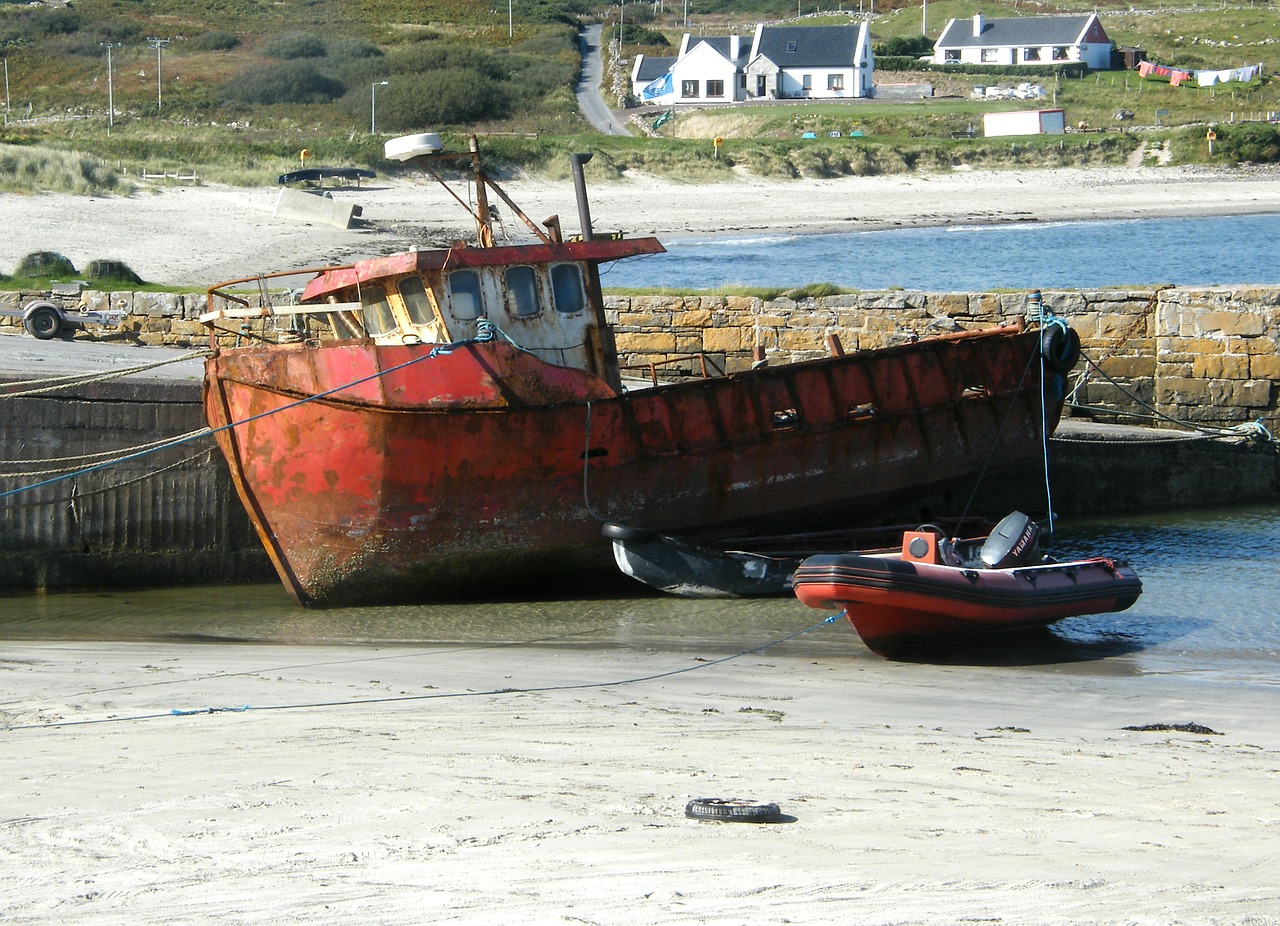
x,y
311,209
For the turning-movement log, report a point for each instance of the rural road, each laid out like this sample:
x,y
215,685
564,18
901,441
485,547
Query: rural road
x,y
590,100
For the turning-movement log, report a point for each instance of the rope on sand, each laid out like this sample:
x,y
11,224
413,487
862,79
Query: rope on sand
x,y
487,693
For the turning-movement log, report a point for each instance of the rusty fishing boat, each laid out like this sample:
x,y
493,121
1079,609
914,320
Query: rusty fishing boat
x,y
455,421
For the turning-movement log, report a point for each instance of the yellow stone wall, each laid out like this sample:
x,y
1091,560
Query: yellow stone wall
x,y
1208,356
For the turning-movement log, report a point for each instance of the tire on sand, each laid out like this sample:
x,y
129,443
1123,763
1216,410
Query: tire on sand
x,y
732,810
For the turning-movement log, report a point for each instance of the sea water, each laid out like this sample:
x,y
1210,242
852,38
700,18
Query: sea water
x,y
1208,610
1212,251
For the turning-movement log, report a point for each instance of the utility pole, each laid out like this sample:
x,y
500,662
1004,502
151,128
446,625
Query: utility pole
x,y
373,105
111,99
158,45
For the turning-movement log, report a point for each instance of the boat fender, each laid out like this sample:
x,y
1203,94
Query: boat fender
x,y
1060,347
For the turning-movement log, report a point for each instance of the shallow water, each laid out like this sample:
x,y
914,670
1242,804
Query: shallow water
x,y
1211,579
1205,251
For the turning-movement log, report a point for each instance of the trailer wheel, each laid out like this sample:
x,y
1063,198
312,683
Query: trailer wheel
x,y
733,810
43,323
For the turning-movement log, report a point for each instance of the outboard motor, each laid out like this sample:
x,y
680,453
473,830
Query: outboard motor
x,y
1013,542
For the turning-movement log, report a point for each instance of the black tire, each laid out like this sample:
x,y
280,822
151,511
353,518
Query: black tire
x,y
615,531
731,810
43,323
1060,348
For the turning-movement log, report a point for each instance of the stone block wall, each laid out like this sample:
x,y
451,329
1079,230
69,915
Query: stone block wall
x,y
1204,356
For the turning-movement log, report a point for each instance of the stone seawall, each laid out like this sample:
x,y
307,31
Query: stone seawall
x,y
1203,356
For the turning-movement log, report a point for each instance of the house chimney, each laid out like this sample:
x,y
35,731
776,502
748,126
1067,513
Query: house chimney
x,y
977,25
735,47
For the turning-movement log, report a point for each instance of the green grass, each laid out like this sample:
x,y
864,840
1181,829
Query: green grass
x,y
60,80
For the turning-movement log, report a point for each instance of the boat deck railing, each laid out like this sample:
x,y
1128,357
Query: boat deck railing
x,y
708,366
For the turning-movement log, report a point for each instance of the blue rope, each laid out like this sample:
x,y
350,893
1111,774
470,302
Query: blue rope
x,y
485,332
491,692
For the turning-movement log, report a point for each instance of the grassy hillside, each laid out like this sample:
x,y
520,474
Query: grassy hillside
x,y
242,87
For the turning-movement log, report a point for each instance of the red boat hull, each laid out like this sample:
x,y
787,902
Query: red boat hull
x,y
894,604
392,473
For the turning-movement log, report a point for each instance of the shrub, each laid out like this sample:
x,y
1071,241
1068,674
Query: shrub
x,y
215,40
442,97
292,45
44,265
116,271
290,82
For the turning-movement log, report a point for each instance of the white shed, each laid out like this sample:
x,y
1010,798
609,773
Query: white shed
x,y
1026,122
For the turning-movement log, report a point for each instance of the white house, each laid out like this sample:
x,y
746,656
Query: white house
x,y
1025,40
778,62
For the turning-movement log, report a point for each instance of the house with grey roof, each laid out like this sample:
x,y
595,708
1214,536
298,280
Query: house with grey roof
x,y
777,62
1025,40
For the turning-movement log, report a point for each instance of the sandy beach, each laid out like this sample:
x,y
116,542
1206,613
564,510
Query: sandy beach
x,y
200,234
531,783
154,783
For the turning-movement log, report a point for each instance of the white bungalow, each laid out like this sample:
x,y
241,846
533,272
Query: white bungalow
x,y
811,62
1025,40
779,62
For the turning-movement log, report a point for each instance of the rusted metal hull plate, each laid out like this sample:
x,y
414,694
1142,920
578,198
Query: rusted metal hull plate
x,y
455,472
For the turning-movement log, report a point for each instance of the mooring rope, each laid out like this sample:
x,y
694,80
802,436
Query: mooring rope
x,y
484,333
1252,430
396,699
66,382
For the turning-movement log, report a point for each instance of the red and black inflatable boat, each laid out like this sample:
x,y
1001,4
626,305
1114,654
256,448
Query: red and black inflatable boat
x,y
935,590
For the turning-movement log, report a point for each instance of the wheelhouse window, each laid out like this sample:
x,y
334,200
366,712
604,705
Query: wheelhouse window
x,y
416,301
378,319
522,292
835,81
715,88
566,288
464,295
689,89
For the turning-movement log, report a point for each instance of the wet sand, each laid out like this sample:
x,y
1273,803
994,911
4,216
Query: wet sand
x,y
163,783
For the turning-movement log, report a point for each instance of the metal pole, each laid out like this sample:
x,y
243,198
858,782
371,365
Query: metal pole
x,y
510,22
158,45
373,105
111,99
6,91
924,17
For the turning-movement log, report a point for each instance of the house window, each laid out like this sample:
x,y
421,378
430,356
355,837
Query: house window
x,y
990,55
791,46
1030,54
835,81
952,54
522,292
1060,53
806,83
689,89
715,88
